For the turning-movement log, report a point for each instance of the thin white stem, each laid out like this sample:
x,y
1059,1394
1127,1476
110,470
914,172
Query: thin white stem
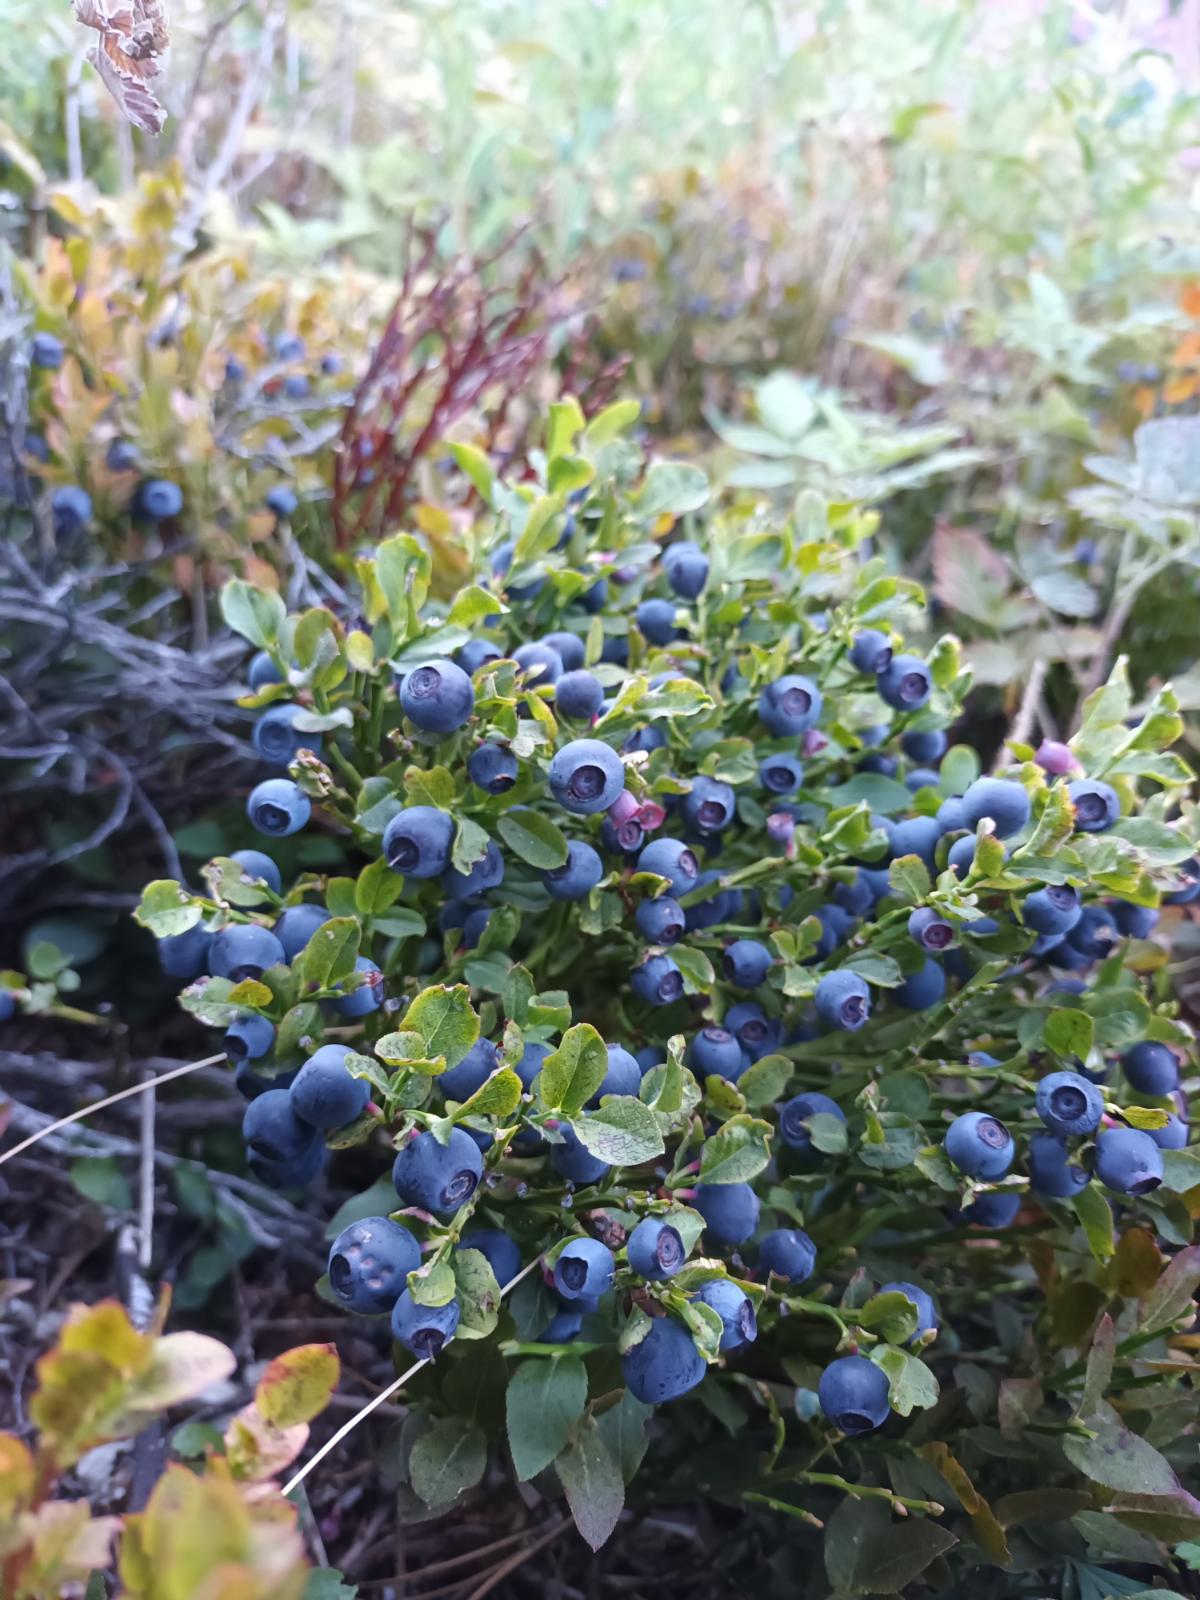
x,y
384,1394
110,1100
146,1179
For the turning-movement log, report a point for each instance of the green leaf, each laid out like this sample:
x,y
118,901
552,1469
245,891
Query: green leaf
x,y
448,1458
595,1489
1096,1220
376,888
545,1400
765,1081
911,1385
166,908
534,838
1069,1033
300,1023
698,975
613,421
430,786
330,954
623,1429
325,1583
229,882
446,1021
565,425
908,878
432,1284
876,968
99,1178
867,1552
497,1097
672,486
883,795
622,1132
572,1074
893,1314
478,469
473,604
402,568
1171,1297
1119,1459
737,1152
470,845
477,1292
257,614
208,999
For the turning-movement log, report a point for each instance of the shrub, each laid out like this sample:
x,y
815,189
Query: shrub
x,y
894,1306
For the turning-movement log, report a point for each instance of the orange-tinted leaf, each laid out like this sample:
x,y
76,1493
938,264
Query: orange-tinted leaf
x,y
297,1385
1181,388
16,1475
1189,299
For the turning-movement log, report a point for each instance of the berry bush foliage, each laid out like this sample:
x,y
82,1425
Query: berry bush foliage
x,y
736,1077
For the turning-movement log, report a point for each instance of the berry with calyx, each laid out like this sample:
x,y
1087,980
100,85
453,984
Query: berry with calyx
x,y
438,1177
493,769
870,651
278,807
71,509
249,1038
660,921
578,875
1069,1103
794,1113
425,1330
930,930
1054,909
709,806
843,1000
244,951
854,1394
905,683
438,697
733,1305
478,653
1094,933
655,1250
1055,758
583,1267
1097,805
730,1210
484,874
780,774
672,860
755,1031
539,662
788,1253
586,776
369,1262
185,955
657,981
417,841
979,1145
789,706
1128,1161
276,737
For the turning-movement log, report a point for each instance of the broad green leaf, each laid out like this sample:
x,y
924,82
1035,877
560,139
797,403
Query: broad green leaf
x,y
448,1458
534,838
257,614
166,908
446,1021
545,1400
622,1131
572,1074
737,1152
595,1489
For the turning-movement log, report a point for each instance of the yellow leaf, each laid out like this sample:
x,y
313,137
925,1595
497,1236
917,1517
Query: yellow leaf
x,y
255,1449
105,1330
16,1475
296,1386
183,1366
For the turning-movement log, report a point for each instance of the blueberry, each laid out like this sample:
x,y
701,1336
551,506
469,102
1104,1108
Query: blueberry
x,y
278,807
1069,1103
331,364
927,1317
924,746
502,1254
1050,1171
325,1094
789,1254
272,1129
615,649
185,955
660,921
649,1057
709,806
586,776
624,1076
794,1113
905,683
121,456
843,1000
979,1145
425,1330
1094,933
646,739
656,619
716,1052
570,649
366,996
930,930
1135,922
369,1262
472,1072
243,951
663,1365
857,897
293,1173
295,386
1001,799
155,499
730,1210
686,567
437,1177
483,875
923,988
530,1064
282,501
71,508
707,913
950,817
876,761
573,1160
996,1210
655,1250
780,774
437,697
250,1084
249,1037
259,867
854,1394
276,738
733,1305
916,836
563,1326
1173,1137
234,370
1151,1068
753,1029
596,598
1055,758
583,1267
1097,806
417,841
578,694
493,769
1054,909
746,963
289,347
46,351
921,778
296,926
1128,1161
870,651
478,653
1190,873
262,671
578,875
790,705
540,663
657,981
671,859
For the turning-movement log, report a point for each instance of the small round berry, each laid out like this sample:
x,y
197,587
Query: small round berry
x,y
1069,1103
656,619
493,768
871,651
730,1210
791,705
930,930
1097,805
686,567
244,951
578,875
746,963
438,697
854,1394
663,1365
578,694
1151,1067
278,807
716,1052
540,663
905,683
843,1000
583,1267
437,1177
417,841
425,1330
660,921
369,1262
979,1145
1005,802
795,1113
1054,909
1128,1161
658,981
156,499
276,737
296,925
672,860
735,1309
788,1253
586,776
709,806
780,774
655,1250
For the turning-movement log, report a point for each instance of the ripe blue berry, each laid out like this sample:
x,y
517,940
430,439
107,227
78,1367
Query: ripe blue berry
x,y
663,1365
243,951
276,737
1151,1067
924,746
249,1038
578,694
1095,933
925,987
995,1210
686,567
1174,1136
780,774
573,1160
578,875
46,351
843,1000
366,996
1069,1103
930,930
296,926
649,738
709,806
660,921
156,499
795,1113
272,1129
624,1076
425,1330
716,1052
713,909
1135,922
746,963
262,671
658,981
540,663
437,1177
486,873
671,859
927,1317
472,1072
870,651
257,866
293,1173
789,1254
71,509
921,778
1128,1161
656,619
417,841
325,1094
790,705
250,1083
369,1262
438,697
492,768
282,501
655,1250
730,1210
905,683
949,816
278,807
1097,805
854,1394
754,1030
563,1326
570,649
1001,799
1189,871
478,653
583,1267
917,836
1054,909
530,1064
185,955
296,386
289,347
979,1145
501,1253
1050,1171
735,1309
586,776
